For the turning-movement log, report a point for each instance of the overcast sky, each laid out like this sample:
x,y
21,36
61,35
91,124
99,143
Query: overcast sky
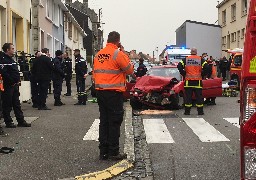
x,y
147,24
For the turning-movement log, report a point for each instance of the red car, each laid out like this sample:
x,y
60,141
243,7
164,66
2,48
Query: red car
x,y
163,86
248,99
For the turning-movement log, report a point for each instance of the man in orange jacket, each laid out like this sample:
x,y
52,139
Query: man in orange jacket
x,y
111,65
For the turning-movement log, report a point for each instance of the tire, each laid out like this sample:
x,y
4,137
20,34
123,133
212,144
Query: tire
x,y
136,105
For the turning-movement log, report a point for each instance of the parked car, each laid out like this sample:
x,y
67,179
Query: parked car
x,y
163,87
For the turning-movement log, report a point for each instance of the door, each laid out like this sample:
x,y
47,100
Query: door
x,y
212,87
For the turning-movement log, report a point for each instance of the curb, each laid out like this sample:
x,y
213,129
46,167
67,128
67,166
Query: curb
x,y
122,166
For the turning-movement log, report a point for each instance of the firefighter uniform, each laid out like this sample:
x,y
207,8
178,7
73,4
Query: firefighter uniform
x,y
81,71
67,68
10,95
192,69
110,69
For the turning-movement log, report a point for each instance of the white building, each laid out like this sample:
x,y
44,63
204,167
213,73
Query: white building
x,y
73,35
232,16
205,37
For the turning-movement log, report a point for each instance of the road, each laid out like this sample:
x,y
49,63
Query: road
x,y
195,147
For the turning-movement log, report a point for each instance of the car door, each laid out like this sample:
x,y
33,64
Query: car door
x,y
212,87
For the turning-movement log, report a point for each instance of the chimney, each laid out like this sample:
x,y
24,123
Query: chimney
x,y
85,3
68,1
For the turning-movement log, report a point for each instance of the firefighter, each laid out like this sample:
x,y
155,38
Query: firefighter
x,y
57,78
142,69
10,95
111,65
193,68
81,73
212,73
67,68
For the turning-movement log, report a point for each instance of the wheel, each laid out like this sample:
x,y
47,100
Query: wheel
x,y
136,105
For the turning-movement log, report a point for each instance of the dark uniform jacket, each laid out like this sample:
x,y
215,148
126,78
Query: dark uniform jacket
x,y
141,70
224,64
42,68
80,67
58,72
193,83
67,66
9,70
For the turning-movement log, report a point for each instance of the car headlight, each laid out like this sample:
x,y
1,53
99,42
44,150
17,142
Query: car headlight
x,y
250,163
136,93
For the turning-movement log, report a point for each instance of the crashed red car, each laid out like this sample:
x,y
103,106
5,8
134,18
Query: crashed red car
x,y
163,87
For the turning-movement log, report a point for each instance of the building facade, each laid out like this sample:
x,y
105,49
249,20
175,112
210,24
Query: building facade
x,y
48,25
15,24
232,16
203,36
74,36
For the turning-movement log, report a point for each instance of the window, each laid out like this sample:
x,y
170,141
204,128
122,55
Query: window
x,y
233,12
56,14
233,37
56,45
49,5
65,22
42,39
242,33
50,44
244,7
41,3
224,40
224,18
61,17
70,29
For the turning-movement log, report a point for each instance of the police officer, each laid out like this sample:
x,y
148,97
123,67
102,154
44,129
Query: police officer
x,y
224,63
142,69
81,73
33,81
111,65
193,68
57,77
67,68
10,95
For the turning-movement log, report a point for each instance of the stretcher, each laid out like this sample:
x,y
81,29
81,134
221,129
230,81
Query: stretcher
x,y
229,90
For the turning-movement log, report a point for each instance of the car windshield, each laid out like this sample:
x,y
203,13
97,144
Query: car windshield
x,y
238,60
165,72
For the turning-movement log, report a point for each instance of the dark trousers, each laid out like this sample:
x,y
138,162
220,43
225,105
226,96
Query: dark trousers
x,y
188,96
80,84
50,87
224,73
42,92
111,117
68,83
10,99
34,90
57,88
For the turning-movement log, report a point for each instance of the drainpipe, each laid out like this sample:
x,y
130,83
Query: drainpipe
x,y
9,24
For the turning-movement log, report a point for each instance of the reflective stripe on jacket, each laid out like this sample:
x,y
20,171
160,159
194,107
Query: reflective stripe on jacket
x,y
110,69
1,83
193,68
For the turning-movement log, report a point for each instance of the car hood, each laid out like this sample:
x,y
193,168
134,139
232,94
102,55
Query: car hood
x,y
152,83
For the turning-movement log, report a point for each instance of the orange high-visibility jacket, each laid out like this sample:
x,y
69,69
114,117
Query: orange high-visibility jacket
x,y
193,68
214,72
1,83
110,69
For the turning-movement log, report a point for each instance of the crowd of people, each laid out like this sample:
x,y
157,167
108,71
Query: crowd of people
x,y
44,69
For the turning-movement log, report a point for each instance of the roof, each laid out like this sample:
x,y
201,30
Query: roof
x,y
222,3
200,23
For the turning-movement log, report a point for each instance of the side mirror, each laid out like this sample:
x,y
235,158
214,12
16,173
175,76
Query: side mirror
x,y
90,73
174,81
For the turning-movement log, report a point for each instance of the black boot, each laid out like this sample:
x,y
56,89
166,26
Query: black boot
x,y
187,111
200,111
84,97
80,100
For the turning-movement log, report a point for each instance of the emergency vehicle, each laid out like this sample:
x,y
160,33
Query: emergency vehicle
x,y
174,54
235,67
248,99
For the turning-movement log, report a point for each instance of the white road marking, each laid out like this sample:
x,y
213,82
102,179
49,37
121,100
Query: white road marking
x,y
156,131
93,132
204,130
233,121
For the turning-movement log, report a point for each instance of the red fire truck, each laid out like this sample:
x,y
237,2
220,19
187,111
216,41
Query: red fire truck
x,y
248,99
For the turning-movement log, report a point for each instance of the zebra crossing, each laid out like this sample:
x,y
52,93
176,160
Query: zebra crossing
x,y
157,131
